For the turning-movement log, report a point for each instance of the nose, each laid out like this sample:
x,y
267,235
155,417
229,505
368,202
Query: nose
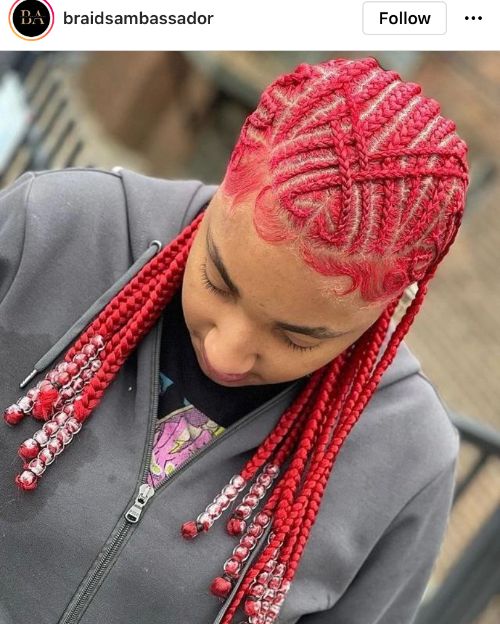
x,y
229,353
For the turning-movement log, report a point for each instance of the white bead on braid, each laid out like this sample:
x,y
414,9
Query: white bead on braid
x,y
53,400
237,524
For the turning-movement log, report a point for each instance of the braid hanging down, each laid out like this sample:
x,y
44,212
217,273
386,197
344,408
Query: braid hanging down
x,y
363,175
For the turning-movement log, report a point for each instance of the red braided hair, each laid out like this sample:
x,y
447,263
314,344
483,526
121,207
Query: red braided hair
x,y
361,172
355,168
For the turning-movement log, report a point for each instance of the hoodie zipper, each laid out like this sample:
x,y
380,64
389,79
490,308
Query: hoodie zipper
x,y
76,608
131,517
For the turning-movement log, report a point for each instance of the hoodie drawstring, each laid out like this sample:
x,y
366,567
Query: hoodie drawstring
x,y
92,311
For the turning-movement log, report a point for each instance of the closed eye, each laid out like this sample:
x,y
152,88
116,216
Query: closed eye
x,y
208,284
297,347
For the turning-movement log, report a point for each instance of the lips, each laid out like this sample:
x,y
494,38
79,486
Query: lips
x,y
216,374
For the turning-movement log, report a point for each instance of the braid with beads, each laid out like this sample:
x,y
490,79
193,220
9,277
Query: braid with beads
x,y
361,174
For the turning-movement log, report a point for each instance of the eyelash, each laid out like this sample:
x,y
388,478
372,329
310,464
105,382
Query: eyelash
x,y
297,347
209,286
208,283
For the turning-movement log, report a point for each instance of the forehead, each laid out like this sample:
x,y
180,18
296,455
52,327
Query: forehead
x,y
275,278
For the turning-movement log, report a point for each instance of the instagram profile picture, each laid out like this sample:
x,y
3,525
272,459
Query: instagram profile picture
x,y
31,20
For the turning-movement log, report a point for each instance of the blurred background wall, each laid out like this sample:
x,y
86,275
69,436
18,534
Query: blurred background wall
x,y
173,114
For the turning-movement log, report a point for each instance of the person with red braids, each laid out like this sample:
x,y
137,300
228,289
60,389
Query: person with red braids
x,y
233,352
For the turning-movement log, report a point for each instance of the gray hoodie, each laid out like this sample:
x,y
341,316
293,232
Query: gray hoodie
x,y
67,552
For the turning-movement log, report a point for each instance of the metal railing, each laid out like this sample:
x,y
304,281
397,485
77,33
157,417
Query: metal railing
x,y
475,578
38,129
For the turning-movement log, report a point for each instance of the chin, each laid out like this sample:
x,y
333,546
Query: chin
x,y
231,384
236,384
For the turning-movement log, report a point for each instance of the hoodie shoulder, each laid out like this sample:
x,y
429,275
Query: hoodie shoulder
x,y
86,225
79,208
79,190
161,208
46,211
120,205
407,435
64,204
58,226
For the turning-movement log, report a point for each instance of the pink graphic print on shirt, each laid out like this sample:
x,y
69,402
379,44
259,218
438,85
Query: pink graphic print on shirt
x,y
178,436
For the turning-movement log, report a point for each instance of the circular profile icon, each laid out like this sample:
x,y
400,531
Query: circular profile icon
x,y
31,19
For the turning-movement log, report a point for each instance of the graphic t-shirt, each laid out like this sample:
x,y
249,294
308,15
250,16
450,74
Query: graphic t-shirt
x,y
179,434
192,409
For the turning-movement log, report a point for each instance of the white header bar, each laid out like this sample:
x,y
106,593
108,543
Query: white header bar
x,y
261,25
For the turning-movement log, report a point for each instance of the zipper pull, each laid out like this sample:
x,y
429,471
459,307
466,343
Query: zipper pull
x,y
145,493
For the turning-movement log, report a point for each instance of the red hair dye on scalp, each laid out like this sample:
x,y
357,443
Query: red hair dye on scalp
x,y
363,176
356,169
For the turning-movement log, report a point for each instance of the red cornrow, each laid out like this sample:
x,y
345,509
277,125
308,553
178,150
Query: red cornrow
x,y
361,172
390,106
340,135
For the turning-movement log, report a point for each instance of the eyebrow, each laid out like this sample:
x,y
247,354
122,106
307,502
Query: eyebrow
x,y
320,333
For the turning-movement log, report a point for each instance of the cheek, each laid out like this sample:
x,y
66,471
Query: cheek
x,y
285,364
319,357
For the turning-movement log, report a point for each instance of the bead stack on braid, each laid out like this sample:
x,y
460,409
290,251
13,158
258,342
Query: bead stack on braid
x,y
76,385
363,176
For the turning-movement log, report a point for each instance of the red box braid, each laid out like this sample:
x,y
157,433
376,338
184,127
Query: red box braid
x,y
361,172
